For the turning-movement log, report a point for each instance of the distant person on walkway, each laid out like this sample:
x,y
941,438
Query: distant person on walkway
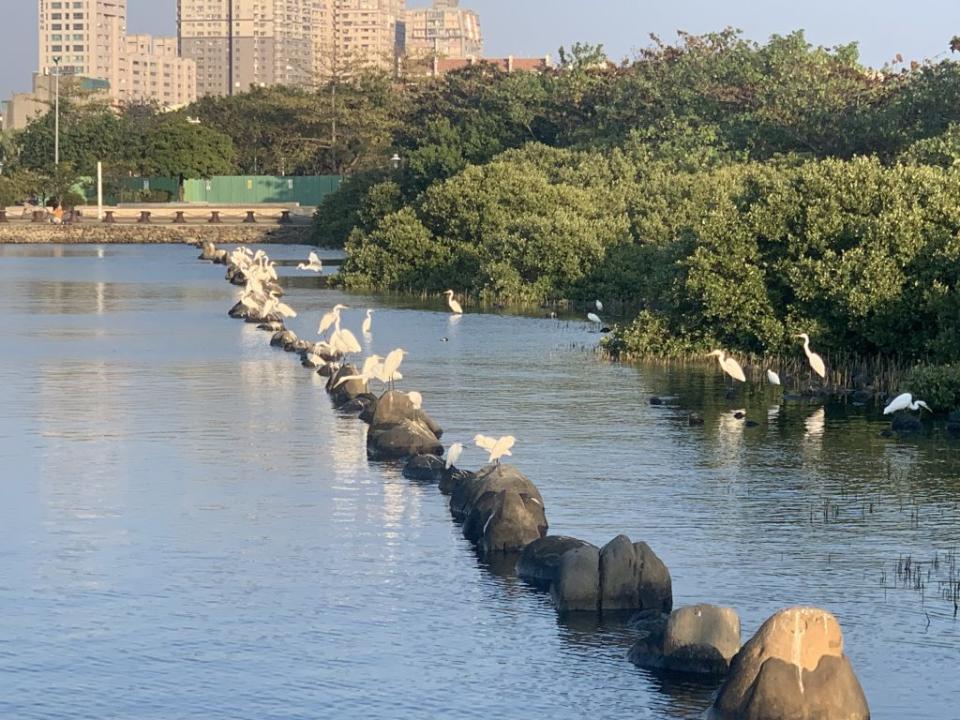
x,y
57,215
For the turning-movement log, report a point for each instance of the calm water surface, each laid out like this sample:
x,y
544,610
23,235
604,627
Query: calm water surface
x,y
189,530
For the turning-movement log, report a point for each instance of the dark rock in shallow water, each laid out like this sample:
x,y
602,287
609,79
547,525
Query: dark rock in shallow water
x,y
424,468
282,337
404,439
490,479
905,424
699,639
862,396
540,560
271,326
694,419
656,401
452,477
327,370
752,423
342,393
357,404
239,311
514,522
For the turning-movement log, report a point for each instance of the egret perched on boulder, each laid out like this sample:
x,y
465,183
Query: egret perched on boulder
x,y
730,366
816,362
453,454
454,305
392,363
416,399
905,402
497,447
313,263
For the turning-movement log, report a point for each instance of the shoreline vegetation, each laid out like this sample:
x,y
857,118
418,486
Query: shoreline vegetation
x,y
732,194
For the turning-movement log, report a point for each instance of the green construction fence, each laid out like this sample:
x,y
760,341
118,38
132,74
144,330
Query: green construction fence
x,y
232,190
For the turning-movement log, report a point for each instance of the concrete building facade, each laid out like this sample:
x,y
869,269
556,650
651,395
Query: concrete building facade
x,y
239,44
150,70
444,30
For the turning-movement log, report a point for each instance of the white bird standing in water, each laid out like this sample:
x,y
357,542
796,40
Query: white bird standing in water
x,y
730,366
313,263
905,402
594,318
772,377
344,342
273,305
330,318
599,305
367,322
454,305
453,454
816,362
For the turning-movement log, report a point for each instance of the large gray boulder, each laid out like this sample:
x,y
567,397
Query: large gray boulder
x,y
452,477
399,430
793,668
405,439
282,338
342,393
514,522
539,563
424,468
490,479
393,407
632,577
577,588
629,577
698,639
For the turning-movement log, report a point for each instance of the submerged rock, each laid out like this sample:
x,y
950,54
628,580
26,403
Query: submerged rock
x,y
424,468
793,668
697,639
905,424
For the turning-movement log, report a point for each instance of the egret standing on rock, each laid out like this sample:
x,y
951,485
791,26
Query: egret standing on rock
x,y
454,305
313,263
904,402
453,454
730,366
816,362
367,323
497,447
392,363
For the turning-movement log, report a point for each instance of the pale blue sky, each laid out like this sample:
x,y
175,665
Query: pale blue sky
x,y
918,29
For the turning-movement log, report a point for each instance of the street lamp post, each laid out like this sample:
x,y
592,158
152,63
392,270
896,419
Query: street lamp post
x,y
56,111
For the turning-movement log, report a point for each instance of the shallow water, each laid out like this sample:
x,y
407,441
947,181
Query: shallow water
x,y
191,532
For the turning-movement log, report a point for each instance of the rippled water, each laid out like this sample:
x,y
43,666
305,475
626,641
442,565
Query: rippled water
x,y
189,530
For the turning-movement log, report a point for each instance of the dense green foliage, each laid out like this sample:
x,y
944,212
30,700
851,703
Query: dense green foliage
x,y
721,192
938,385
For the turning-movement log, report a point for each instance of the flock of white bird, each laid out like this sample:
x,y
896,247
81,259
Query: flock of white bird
x,y
261,297
733,369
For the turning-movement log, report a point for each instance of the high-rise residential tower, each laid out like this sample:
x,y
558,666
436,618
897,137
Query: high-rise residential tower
x,y
445,30
239,44
86,35
88,38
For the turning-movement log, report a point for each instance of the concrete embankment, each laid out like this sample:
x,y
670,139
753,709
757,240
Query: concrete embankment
x,y
152,234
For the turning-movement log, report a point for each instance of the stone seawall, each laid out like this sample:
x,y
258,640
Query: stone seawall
x,y
153,235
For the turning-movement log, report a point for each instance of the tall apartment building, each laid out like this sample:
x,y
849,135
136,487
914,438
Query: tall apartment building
x,y
365,34
90,39
87,36
445,30
151,70
237,44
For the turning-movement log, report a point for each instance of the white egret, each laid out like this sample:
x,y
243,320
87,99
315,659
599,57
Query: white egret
x,y
392,363
599,305
484,442
367,322
594,318
904,402
370,370
453,454
344,342
730,366
416,399
313,263
454,305
772,377
273,305
328,320
500,448
816,362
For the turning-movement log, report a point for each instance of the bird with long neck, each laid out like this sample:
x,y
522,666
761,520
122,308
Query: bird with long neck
x,y
816,362
453,304
729,366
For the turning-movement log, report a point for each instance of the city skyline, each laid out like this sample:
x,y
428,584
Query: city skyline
x,y
623,27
